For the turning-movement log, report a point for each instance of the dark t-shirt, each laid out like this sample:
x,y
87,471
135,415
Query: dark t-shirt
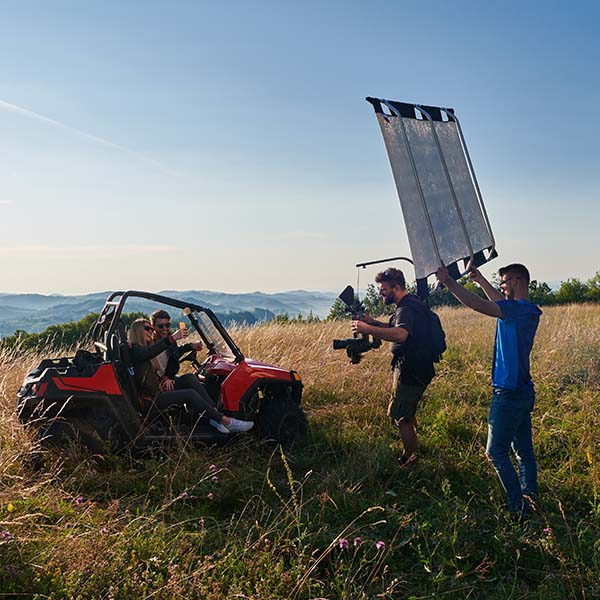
x,y
409,314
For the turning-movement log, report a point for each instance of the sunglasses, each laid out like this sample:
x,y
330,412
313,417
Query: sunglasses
x,y
163,326
148,328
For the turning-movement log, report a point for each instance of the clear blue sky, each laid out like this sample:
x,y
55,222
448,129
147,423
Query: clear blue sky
x,y
228,146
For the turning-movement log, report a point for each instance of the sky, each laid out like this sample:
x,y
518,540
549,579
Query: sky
x,y
228,146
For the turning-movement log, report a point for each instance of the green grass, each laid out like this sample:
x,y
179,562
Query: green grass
x,y
247,521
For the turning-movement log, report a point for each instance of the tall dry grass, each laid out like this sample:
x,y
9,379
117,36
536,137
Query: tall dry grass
x,y
246,522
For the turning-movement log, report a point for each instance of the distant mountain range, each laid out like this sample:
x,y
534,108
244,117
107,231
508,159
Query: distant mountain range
x,y
34,312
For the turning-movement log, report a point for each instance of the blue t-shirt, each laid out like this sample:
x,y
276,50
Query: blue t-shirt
x,y
514,339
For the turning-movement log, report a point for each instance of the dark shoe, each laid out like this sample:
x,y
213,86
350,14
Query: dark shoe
x,y
407,460
525,513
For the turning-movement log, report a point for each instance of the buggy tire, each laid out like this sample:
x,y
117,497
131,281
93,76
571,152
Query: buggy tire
x,y
281,420
78,431
90,434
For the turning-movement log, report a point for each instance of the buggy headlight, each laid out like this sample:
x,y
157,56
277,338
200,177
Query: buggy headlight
x,y
295,376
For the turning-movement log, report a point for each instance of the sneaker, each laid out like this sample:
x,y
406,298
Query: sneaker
x,y
219,426
237,425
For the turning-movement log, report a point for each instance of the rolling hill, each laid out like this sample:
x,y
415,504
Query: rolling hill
x,y
34,312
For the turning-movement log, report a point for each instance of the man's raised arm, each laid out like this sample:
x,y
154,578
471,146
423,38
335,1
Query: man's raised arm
x,y
488,289
473,301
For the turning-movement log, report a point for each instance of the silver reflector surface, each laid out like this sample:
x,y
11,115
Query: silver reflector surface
x,y
443,210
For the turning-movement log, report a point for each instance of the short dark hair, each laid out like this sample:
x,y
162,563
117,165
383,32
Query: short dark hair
x,y
159,314
518,269
395,276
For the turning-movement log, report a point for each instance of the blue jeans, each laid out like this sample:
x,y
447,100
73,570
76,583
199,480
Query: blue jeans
x,y
509,426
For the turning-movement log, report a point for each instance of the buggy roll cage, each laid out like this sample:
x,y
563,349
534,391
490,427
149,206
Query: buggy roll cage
x,y
107,329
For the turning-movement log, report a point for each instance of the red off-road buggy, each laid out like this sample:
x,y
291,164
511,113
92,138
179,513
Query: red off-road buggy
x,y
92,396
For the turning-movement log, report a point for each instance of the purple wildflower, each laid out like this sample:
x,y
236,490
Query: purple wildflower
x,y
215,479
380,545
357,542
212,468
5,535
201,523
210,495
103,531
343,544
79,500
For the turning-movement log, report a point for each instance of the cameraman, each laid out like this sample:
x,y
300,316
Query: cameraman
x,y
412,368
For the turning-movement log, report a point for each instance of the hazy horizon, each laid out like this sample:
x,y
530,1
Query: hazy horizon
x,y
363,284
157,291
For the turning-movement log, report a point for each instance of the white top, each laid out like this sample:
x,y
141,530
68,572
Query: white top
x,y
162,360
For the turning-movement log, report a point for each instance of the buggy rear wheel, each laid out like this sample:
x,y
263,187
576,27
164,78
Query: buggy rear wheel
x,y
97,433
75,430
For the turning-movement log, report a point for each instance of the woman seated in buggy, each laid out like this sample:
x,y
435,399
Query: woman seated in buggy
x,y
143,353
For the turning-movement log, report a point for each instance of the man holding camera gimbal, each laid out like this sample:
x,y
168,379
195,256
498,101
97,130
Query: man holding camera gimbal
x,y
412,366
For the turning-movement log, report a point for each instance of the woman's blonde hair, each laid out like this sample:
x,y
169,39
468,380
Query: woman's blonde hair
x,y
135,335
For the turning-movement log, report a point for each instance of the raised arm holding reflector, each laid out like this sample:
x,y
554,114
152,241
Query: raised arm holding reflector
x,y
443,210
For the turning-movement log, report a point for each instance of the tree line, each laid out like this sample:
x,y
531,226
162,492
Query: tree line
x,y
571,291
65,335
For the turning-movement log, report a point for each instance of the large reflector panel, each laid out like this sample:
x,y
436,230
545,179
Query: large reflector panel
x,y
441,203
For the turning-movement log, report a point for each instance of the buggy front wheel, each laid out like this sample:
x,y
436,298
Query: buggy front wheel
x,y
281,419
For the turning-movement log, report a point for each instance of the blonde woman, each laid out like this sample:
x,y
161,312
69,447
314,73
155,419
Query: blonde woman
x,y
143,354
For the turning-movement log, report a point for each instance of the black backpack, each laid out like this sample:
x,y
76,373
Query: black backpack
x,y
438,336
431,343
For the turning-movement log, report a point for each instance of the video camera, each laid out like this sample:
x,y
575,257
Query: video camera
x,y
355,346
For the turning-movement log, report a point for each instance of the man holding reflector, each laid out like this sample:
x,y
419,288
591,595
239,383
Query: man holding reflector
x,y
509,424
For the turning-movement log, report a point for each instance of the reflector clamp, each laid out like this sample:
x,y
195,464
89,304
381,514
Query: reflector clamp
x,y
441,202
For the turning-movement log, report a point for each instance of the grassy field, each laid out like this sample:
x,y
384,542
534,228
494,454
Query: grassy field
x,y
336,518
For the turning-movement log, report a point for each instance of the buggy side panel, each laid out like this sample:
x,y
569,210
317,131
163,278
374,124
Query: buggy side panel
x,y
245,379
59,397
103,380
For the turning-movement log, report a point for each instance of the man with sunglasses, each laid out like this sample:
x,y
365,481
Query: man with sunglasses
x,y
412,365
509,424
168,361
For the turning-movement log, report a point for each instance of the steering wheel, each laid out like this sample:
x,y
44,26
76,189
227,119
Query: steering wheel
x,y
190,356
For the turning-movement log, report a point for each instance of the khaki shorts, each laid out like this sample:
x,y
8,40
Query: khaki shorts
x,y
404,399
